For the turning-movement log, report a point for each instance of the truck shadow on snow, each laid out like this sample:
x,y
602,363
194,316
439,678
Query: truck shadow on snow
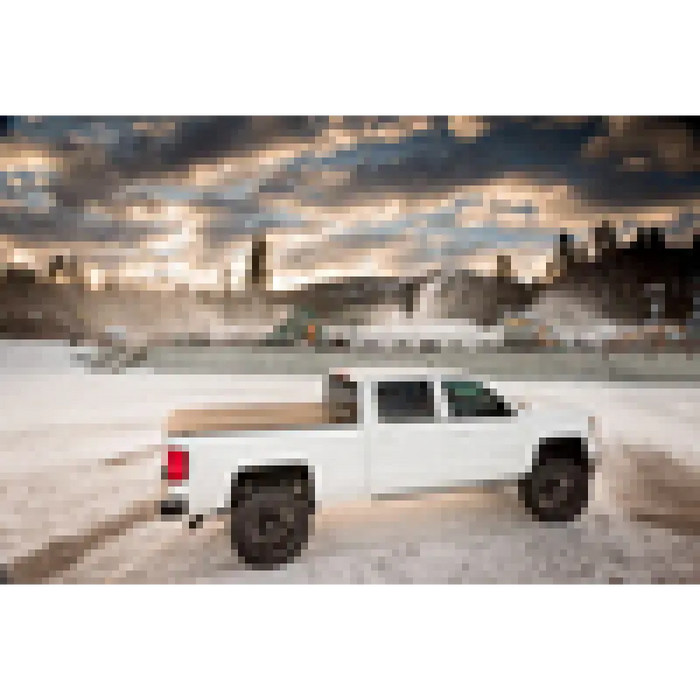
x,y
387,526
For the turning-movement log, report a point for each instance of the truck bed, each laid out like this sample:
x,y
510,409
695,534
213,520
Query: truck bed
x,y
264,416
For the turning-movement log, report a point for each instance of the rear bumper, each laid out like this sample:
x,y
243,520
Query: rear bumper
x,y
172,508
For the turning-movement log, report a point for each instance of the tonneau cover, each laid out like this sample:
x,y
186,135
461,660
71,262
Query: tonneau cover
x,y
263,416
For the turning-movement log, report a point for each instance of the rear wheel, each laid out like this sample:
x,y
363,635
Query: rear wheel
x,y
270,522
557,489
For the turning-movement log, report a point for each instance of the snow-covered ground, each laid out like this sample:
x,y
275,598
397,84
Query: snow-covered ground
x,y
479,536
24,356
62,428
59,425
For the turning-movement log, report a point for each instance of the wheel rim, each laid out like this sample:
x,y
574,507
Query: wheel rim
x,y
554,488
273,526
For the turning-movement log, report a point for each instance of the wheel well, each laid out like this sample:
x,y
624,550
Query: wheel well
x,y
567,447
275,473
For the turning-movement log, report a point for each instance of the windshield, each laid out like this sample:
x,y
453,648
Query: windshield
x,y
473,399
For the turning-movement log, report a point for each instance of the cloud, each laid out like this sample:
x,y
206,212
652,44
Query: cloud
x,y
349,185
467,128
646,143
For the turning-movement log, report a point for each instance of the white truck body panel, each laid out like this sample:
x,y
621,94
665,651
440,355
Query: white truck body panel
x,y
372,458
337,454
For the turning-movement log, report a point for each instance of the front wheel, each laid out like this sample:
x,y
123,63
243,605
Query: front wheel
x,y
557,489
270,523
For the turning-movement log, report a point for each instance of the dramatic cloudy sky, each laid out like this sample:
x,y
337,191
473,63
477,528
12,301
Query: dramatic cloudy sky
x,y
173,196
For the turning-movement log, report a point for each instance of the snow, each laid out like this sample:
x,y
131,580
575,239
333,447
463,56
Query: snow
x,y
61,428
481,548
477,537
29,356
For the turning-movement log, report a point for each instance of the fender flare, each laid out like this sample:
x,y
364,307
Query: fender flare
x,y
297,467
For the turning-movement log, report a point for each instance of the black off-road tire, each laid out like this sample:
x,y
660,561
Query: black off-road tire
x,y
271,521
557,489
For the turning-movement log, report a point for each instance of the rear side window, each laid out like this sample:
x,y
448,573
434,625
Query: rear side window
x,y
342,400
473,400
409,401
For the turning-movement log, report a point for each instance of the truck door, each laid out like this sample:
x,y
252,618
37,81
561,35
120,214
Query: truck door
x,y
404,436
483,436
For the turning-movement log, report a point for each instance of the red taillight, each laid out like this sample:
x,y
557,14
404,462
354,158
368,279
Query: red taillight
x,y
178,465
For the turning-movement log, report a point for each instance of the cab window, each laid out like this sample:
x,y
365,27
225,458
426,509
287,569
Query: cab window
x,y
342,400
404,401
473,400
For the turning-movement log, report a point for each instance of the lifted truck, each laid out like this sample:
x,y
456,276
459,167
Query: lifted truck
x,y
377,432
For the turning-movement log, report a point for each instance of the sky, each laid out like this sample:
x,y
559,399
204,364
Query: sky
x,y
180,196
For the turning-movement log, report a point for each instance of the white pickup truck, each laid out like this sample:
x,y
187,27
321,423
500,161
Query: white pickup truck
x,y
376,432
